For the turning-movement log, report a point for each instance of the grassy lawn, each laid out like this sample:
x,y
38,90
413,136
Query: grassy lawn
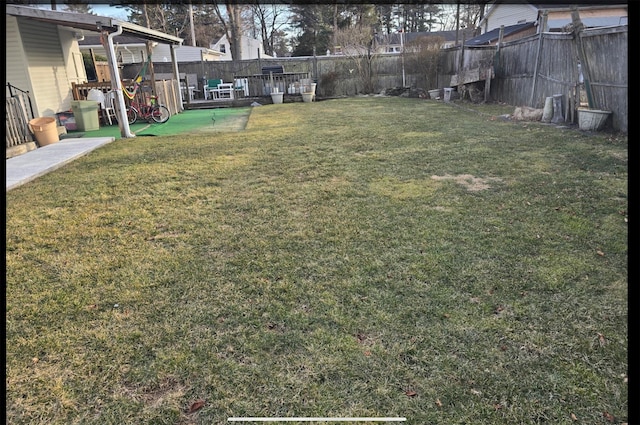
x,y
363,257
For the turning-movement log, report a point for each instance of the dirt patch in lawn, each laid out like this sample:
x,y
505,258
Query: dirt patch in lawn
x,y
473,184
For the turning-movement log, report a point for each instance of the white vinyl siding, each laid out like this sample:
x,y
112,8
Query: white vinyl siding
x,y
72,56
251,48
15,59
47,70
136,53
509,14
162,53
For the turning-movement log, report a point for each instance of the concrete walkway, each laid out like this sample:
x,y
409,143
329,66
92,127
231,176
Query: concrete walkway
x,y
28,166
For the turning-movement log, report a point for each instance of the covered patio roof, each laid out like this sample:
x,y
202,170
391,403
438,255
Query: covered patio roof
x,y
88,22
109,28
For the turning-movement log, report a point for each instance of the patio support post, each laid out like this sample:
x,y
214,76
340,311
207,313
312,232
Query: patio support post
x,y
116,84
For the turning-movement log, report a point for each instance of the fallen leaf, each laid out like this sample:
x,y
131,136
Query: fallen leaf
x,y
574,417
609,417
497,406
367,353
476,392
410,393
602,340
600,253
196,406
438,402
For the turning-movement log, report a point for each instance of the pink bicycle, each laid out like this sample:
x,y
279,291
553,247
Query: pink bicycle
x,y
151,112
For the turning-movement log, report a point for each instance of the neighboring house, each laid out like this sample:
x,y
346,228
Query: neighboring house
x,y
592,16
558,15
507,13
133,50
250,48
509,33
393,43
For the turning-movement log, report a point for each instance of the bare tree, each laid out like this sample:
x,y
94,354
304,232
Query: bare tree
x,y
232,27
271,19
357,45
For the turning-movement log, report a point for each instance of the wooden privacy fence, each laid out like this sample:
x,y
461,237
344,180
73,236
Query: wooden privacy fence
x,y
524,71
529,70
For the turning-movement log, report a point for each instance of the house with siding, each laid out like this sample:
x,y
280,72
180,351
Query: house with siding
x,y
509,33
133,50
250,48
518,20
43,57
394,43
558,15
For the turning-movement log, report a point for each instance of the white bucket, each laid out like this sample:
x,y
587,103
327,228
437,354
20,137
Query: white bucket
x,y
277,97
450,94
592,119
435,94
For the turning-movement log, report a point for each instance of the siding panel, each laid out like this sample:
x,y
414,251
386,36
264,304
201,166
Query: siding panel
x,y
41,44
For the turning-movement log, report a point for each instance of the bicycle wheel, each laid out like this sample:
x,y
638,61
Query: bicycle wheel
x,y
132,115
160,114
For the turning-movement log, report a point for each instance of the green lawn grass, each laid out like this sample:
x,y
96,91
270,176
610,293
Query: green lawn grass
x,y
363,257
186,122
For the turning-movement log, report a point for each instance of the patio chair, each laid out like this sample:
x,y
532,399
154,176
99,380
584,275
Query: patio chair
x,y
211,86
105,100
109,108
242,86
224,91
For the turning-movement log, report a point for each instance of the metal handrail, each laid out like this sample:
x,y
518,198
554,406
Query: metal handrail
x,y
26,92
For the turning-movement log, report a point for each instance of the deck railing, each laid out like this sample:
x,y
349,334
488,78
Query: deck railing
x,y
286,82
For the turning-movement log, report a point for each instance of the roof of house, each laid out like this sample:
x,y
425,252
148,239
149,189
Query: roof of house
x,y
89,22
94,40
584,4
493,35
587,3
394,38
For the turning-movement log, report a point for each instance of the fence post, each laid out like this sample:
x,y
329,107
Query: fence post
x,y
537,64
577,29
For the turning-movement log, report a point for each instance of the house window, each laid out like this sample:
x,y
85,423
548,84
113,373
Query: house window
x,y
223,48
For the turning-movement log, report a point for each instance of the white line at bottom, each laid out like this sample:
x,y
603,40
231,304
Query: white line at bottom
x,y
287,419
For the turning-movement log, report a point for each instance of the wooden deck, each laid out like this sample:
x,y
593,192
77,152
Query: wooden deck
x,y
238,102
